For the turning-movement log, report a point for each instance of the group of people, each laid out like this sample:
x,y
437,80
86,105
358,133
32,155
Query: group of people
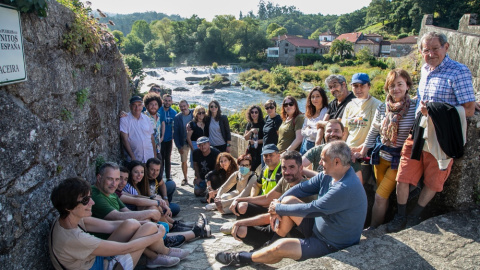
x,y
298,190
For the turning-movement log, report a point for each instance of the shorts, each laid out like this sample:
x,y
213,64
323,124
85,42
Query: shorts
x,y
312,247
411,170
124,260
184,156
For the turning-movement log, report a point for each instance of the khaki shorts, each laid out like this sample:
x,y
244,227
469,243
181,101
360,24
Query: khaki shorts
x,y
411,170
184,156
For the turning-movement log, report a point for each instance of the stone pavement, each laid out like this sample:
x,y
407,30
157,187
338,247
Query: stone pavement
x,y
450,241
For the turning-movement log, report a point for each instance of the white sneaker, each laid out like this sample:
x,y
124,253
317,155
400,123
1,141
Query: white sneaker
x,y
211,207
162,261
227,228
178,253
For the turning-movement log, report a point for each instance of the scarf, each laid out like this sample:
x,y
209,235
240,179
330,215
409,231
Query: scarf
x,y
394,112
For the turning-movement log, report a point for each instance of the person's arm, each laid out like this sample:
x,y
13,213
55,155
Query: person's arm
x,y
469,108
309,173
231,181
162,131
298,140
101,226
189,138
126,144
162,188
124,213
139,201
305,161
153,145
248,188
196,169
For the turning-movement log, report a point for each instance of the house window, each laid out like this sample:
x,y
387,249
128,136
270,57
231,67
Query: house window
x,y
286,51
286,44
325,39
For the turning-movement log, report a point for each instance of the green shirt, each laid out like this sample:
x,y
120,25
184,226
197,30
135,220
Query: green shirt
x,y
286,133
104,204
314,155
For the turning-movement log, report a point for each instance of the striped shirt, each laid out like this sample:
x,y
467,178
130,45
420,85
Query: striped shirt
x,y
450,82
130,189
404,126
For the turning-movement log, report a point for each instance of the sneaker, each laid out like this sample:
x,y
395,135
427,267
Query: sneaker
x,y
413,221
177,227
228,258
226,228
162,261
211,207
178,253
202,225
174,241
397,224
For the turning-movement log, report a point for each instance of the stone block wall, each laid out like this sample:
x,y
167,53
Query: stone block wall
x,y
45,136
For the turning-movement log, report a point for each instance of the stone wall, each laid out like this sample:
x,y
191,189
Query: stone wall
x,y
464,43
39,144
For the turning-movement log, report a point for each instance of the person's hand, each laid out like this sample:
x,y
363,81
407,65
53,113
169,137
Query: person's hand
x,y
235,227
233,207
228,150
122,114
155,215
273,219
254,130
423,107
168,212
271,208
357,149
355,156
163,204
364,151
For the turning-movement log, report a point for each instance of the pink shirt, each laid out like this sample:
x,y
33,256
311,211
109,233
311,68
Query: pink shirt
x,y
139,136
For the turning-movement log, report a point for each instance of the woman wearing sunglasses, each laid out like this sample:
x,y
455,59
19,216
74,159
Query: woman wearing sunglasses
x,y
272,123
71,247
197,127
290,132
218,127
317,103
254,134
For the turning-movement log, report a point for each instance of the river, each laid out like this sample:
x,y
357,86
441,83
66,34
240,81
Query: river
x,y
232,99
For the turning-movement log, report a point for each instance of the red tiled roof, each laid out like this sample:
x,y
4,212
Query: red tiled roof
x,y
406,40
285,37
352,37
367,41
385,42
372,35
301,42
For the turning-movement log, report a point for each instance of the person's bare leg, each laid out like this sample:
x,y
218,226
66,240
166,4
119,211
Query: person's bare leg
x,y
426,196
242,232
242,207
403,189
282,248
189,235
360,176
287,222
185,170
378,211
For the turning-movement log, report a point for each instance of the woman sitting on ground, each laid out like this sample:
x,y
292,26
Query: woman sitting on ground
x,y
389,130
73,247
254,134
240,184
316,109
290,132
224,168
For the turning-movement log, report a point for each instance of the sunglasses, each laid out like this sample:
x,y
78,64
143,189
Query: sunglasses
x,y
213,106
85,200
270,108
254,112
201,113
291,104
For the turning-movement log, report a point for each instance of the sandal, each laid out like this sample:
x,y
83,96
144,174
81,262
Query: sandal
x,y
184,182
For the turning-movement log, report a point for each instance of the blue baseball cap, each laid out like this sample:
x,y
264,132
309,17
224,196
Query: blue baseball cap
x,y
202,139
269,148
360,78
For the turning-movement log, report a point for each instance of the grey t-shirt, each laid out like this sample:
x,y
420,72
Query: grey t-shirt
x,y
215,134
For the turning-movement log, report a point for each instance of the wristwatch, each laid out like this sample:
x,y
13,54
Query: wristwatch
x,y
228,145
165,197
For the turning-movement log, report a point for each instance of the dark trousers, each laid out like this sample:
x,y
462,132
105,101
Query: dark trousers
x,y
256,235
166,152
221,148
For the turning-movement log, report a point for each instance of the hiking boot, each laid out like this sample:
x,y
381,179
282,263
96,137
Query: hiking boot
x,y
162,261
228,258
174,241
413,221
226,228
397,224
178,253
203,227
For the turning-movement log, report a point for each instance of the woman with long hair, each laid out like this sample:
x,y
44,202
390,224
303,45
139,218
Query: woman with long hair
x,y
240,184
316,108
290,132
73,247
197,127
254,134
218,127
272,123
224,167
389,130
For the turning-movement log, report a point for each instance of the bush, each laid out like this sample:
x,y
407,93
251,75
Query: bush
x,y
133,63
402,35
318,65
334,69
308,76
281,75
336,58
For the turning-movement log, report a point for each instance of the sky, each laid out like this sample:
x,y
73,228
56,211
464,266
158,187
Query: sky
x,y
209,8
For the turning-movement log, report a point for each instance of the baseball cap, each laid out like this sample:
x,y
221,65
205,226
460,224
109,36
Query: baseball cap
x,y
360,78
135,99
202,140
269,148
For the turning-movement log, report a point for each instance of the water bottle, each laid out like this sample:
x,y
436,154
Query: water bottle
x,y
255,140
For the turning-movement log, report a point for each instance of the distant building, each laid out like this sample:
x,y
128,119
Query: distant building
x,y
327,36
378,46
287,47
403,46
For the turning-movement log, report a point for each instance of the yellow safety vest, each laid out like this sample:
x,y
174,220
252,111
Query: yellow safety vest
x,y
268,183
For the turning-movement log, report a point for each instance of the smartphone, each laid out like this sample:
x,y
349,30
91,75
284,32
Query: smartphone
x,y
277,222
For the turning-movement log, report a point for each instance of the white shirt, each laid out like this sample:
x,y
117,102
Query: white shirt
x,y
139,136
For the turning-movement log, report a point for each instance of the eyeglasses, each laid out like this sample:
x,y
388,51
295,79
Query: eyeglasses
x,y
270,108
254,112
213,106
434,50
200,113
291,104
85,200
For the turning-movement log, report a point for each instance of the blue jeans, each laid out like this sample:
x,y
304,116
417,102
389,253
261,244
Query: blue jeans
x,y
171,187
306,145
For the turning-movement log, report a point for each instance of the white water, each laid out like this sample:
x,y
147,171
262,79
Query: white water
x,y
232,99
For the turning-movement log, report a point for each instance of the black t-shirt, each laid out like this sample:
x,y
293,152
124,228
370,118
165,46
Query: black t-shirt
x,y
205,163
197,131
270,129
336,110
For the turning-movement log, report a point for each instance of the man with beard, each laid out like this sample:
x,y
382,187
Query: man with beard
x,y
152,103
332,222
204,159
334,131
136,133
180,135
168,114
253,227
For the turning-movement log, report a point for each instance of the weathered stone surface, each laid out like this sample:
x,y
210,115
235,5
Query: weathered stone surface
x,y
46,136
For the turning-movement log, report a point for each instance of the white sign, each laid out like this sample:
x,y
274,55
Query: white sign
x,y
12,59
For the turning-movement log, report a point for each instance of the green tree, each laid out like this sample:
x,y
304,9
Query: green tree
x,y
378,10
272,27
155,51
341,47
349,22
141,29
134,63
252,40
163,30
282,76
132,45
364,55
278,32
118,35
